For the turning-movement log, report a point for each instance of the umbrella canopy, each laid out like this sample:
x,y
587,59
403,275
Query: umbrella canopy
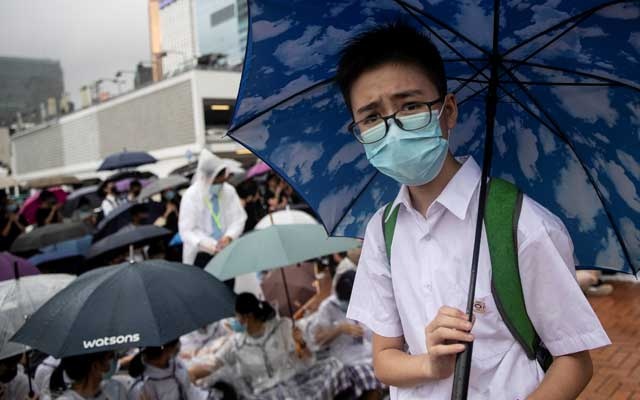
x,y
62,257
49,235
120,241
299,283
275,246
126,159
121,217
285,217
123,185
160,185
118,176
259,169
30,206
20,298
127,305
10,266
88,195
567,84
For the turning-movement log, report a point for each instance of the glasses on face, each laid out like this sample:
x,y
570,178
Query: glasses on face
x,y
410,117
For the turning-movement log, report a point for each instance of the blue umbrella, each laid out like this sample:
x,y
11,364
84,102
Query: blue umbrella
x,y
126,159
76,248
565,80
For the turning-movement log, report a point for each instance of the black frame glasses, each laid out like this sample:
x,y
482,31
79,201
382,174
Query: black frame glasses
x,y
355,130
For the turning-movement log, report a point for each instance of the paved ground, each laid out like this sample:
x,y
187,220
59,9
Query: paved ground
x,y
617,367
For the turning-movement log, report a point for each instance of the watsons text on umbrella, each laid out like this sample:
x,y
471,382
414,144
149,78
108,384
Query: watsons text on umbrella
x,y
111,340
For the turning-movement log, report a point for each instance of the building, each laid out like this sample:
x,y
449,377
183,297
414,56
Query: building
x,y
172,119
26,85
193,28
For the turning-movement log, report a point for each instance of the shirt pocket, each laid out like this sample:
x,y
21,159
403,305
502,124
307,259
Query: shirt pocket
x,y
492,338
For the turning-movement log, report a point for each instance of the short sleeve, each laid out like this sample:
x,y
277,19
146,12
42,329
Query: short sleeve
x,y
372,299
559,311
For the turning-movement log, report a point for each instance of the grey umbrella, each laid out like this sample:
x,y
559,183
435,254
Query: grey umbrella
x,y
48,235
160,185
135,236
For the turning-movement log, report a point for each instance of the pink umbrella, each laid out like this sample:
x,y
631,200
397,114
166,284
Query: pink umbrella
x,y
30,206
258,169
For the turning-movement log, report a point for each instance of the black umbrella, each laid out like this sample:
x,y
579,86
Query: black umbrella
x,y
170,182
127,305
88,194
48,235
118,176
126,159
118,242
121,216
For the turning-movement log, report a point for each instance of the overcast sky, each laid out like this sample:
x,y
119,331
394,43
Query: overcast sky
x,y
91,38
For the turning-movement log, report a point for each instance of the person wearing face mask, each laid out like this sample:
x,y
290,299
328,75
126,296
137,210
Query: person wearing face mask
x,y
14,384
332,334
169,219
263,354
160,375
411,292
211,213
88,377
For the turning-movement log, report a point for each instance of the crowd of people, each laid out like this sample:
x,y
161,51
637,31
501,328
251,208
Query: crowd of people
x,y
314,353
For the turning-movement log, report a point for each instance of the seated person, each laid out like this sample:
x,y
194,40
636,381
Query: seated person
x,y
345,340
268,361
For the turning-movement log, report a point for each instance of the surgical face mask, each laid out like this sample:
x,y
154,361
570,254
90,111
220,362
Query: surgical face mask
x,y
410,157
214,189
114,366
236,326
170,195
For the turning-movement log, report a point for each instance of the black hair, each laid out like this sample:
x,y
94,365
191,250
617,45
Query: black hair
x,y
248,303
344,285
135,183
136,366
46,195
76,367
396,42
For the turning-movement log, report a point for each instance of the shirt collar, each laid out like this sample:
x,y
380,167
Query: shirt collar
x,y
458,193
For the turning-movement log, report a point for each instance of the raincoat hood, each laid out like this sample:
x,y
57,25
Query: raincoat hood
x,y
209,166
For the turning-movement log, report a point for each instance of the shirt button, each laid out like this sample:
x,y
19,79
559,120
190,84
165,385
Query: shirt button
x,y
427,237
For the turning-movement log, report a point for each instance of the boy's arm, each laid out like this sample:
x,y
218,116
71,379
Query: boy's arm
x,y
566,378
394,367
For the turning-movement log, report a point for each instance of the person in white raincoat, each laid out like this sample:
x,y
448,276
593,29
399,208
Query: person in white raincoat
x,y
211,214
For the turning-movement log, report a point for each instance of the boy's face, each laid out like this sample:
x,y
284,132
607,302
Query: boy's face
x,y
387,88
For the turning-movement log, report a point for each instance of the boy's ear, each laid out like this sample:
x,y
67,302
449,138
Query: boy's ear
x,y
450,112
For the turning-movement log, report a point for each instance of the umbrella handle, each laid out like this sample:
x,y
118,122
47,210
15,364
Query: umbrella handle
x,y
16,271
28,362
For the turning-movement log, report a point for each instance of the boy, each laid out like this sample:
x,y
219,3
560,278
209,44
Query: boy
x,y
393,81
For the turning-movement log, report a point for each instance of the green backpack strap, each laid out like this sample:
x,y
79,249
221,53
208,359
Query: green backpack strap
x,y
389,219
502,211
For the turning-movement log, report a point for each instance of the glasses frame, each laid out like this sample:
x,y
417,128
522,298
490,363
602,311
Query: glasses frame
x,y
393,116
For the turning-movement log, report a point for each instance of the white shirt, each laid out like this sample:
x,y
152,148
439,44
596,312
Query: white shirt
x,y
346,348
18,387
170,383
431,260
196,224
110,389
109,204
42,377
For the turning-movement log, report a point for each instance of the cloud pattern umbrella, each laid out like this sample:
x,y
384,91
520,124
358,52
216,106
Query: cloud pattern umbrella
x,y
568,136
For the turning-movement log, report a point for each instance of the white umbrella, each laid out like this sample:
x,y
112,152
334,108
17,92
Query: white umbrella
x,y
19,299
286,217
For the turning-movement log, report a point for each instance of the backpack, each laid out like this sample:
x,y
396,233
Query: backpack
x,y
502,211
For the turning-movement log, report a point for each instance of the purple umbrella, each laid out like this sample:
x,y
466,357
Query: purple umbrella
x,y
258,169
123,185
10,266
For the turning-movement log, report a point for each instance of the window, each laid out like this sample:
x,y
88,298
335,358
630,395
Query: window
x,y
222,15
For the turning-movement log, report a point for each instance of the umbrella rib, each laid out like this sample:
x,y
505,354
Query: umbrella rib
x,y
612,81
278,104
446,26
535,101
583,15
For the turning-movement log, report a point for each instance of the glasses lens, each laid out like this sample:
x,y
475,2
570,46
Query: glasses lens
x,y
370,134
415,121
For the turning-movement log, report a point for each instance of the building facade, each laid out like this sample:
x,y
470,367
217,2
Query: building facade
x,y
26,85
193,28
172,119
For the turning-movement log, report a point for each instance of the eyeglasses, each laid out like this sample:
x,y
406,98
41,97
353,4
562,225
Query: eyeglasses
x,y
410,117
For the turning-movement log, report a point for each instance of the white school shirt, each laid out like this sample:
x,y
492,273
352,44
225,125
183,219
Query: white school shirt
x,y
431,262
169,383
110,389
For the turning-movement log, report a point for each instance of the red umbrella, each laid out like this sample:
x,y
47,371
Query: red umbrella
x,y
30,206
299,287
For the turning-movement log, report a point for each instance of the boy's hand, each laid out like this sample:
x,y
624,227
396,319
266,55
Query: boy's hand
x,y
443,335
351,329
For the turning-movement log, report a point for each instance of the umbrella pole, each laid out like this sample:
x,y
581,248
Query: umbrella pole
x,y
28,362
463,360
286,292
